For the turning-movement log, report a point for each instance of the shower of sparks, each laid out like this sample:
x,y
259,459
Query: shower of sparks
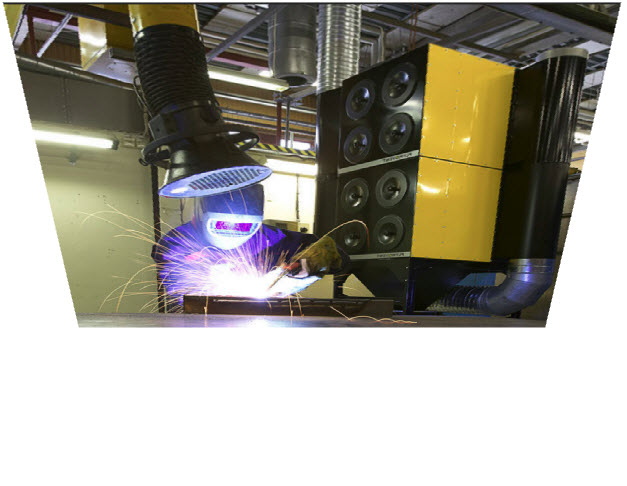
x,y
194,269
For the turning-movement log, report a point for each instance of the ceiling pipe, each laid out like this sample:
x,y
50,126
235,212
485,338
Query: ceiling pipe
x,y
378,45
339,32
292,44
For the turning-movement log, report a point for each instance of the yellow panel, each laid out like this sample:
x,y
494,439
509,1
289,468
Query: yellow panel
x,y
145,14
92,35
96,37
117,36
466,110
14,14
455,211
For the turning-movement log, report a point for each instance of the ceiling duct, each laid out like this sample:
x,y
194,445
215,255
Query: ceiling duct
x,y
339,33
292,44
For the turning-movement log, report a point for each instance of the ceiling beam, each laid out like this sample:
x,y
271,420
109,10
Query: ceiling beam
x,y
574,19
437,36
245,29
88,12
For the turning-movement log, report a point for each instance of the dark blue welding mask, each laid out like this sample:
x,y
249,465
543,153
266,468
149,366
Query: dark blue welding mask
x,y
230,219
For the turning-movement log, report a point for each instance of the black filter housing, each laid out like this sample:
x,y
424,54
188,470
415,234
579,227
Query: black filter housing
x,y
381,110
537,157
327,142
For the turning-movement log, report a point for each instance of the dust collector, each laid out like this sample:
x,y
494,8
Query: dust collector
x,y
457,165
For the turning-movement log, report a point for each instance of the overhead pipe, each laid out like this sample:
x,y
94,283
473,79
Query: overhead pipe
x,y
339,32
378,45
292,44
533,185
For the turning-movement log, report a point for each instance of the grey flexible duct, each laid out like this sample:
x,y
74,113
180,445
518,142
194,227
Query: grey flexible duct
x,y
527,280
339,33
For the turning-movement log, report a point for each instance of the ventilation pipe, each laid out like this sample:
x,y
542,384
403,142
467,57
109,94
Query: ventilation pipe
x,y
292,48
533,186
339,32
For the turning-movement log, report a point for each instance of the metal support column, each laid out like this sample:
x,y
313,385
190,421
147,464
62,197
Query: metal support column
x,y
279,112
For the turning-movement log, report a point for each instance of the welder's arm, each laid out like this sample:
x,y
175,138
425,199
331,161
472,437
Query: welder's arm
x,y
319,258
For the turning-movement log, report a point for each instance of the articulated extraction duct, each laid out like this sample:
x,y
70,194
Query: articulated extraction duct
x,y
533,186
292,49
198,149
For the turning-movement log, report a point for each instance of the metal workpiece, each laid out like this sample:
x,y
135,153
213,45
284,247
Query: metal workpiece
x,y
292,44
250,321
527,280
339,32
289,306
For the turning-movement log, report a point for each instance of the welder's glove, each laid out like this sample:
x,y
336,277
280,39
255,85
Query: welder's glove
x,y
317,259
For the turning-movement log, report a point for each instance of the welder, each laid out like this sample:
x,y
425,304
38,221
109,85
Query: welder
x,y
226,238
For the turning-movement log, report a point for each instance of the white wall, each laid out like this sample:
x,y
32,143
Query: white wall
x,y
96,258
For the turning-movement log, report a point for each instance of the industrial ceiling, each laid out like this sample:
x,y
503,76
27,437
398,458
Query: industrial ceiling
x,y
510,33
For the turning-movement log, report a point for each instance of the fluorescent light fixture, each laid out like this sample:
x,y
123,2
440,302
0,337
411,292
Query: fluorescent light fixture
x,y
266,73
292,167
76,140
581,137
297,145
231,76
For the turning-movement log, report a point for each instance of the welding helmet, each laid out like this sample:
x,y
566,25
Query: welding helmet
x,y
230,219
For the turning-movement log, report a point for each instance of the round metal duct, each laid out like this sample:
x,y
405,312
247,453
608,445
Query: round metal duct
x,y
388,232
355,195
391,188
360,99
358,144
292,44
354,237
395,133
399,84
339,34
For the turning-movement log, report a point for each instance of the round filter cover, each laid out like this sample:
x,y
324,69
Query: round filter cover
x,y
391,188
399,84
388,232
355,195
358,144
395,133
354,237
360,99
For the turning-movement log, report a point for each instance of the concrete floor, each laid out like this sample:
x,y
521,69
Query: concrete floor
x,y
195,320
